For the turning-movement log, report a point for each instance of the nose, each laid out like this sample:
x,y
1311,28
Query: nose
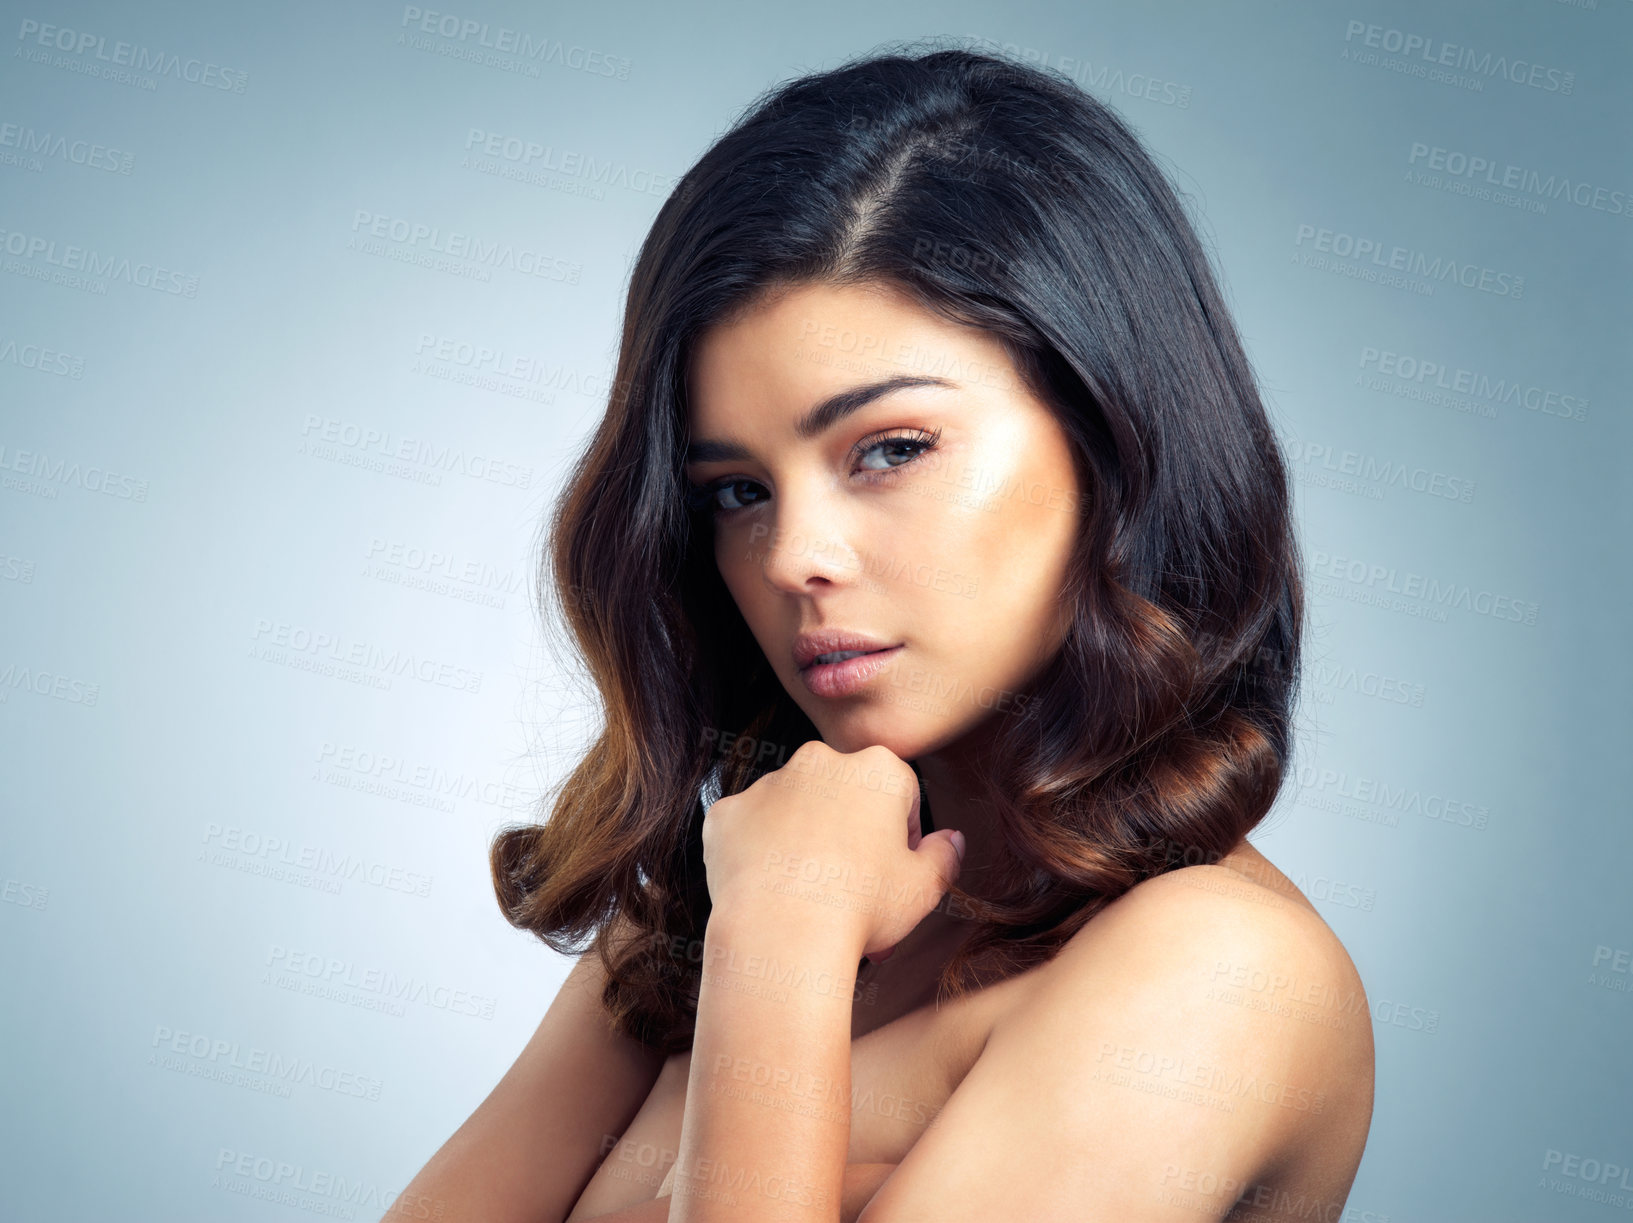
x,y
802,547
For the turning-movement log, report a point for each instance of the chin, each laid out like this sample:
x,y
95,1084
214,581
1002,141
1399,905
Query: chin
x,y
908,734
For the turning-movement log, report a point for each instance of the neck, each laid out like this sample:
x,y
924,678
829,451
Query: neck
x,y
951,780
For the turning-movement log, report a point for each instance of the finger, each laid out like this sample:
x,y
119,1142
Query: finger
x,y
915,826
944,849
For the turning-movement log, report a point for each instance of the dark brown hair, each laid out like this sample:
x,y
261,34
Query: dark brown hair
x,y
1161,736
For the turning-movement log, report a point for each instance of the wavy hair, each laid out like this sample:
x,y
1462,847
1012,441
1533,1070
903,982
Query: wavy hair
x,y
1158,739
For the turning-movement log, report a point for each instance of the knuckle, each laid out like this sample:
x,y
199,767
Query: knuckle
x,y
890,765
882,757
718,811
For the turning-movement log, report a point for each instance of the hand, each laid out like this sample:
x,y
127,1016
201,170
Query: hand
x,y
831,837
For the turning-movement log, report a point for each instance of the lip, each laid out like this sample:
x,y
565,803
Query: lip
x,y
835,679
808,646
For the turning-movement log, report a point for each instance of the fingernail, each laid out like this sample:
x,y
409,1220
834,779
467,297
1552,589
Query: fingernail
x,y
957,839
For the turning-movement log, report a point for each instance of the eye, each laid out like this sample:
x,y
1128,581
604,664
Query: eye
x,y
705,498
878,455
914,444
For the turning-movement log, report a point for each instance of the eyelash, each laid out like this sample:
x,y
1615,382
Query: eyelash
x,y
700,498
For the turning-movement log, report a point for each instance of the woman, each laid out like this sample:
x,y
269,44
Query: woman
x,y
936,525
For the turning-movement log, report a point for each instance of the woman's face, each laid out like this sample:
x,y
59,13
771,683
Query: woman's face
x,y
934,518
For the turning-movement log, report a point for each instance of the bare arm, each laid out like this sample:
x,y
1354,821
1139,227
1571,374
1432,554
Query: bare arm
x,y
528,1150
768,1103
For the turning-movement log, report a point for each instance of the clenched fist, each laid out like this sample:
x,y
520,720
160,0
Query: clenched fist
x,y
831,838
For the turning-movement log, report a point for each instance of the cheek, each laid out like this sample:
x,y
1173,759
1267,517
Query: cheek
x,y
738,554
732,561
965,514
943,548
997,538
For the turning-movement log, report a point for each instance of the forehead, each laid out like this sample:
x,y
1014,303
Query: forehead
x,y
795,345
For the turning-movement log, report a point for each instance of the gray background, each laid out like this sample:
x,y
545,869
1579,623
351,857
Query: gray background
x,y
272,490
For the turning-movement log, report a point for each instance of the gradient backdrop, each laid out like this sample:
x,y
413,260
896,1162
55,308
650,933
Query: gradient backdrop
x,y
277,435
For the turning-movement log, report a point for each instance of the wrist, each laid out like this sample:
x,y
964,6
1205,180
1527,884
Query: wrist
x,y
748,936
778,957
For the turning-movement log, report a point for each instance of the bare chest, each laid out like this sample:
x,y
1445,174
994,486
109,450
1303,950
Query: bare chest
x,y
902,1074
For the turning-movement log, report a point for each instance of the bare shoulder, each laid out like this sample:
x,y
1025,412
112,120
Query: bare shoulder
x,y
1260,978
1201,1042
1252,909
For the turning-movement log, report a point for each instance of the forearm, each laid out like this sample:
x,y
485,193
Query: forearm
x,y
767,1121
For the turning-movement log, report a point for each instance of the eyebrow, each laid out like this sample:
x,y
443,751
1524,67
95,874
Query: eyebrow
x,y
825,415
